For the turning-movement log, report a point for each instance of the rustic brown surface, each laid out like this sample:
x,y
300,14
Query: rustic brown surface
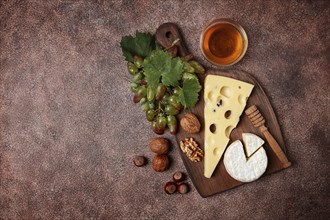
x,y
221,180
69,128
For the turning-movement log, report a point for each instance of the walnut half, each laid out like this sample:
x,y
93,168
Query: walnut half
x,y
191,149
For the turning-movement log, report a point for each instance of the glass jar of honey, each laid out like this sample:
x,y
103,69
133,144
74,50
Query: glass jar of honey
x,y
223,42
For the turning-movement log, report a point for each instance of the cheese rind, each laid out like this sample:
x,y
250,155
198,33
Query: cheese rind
x,y
225,99
252,142
241,168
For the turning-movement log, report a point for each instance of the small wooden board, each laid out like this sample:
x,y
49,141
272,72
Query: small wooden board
x,y
220,180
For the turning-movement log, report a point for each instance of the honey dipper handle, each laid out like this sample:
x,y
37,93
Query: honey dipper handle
x,y
277,149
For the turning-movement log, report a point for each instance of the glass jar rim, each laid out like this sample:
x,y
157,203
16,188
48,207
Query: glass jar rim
x,y
237,26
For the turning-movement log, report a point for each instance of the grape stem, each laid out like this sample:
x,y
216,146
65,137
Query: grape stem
x,y
174,43
160,109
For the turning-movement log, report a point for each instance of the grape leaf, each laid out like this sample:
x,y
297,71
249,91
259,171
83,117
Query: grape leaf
x,y
142,44
160,66
172,77
188,94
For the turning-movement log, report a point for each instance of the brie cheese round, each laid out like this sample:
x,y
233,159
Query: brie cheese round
x,y
246,168
252,143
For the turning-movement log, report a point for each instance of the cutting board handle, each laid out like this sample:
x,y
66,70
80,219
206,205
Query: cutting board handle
x,y
167,33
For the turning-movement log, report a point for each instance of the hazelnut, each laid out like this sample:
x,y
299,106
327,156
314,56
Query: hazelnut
x,y
190,123
178,177
183,188
170,187
159,145
160,163
139,161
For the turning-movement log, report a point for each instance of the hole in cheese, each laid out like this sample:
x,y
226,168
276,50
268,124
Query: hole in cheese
x,y
210,141
242,99
226,91
213,128
209,95
239,87
227,114
217,151
228,130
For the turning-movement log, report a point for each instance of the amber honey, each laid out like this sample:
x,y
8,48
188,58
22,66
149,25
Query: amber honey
x,y
223,42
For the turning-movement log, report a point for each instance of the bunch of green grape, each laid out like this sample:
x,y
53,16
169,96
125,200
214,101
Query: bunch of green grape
x,y
162,106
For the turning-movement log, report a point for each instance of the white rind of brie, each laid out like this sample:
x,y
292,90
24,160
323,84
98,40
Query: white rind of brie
x,y
252,142
242,168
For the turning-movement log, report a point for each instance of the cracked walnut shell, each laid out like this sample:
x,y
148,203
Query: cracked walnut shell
x,y
190,147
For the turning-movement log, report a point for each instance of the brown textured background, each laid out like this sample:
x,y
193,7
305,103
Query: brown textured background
x,y
69,127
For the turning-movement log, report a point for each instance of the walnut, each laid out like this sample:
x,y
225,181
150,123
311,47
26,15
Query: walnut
x,y
190,123
159,145
191,149
160,163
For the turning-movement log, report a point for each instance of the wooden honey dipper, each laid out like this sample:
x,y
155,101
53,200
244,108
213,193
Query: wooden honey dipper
x,y
258,121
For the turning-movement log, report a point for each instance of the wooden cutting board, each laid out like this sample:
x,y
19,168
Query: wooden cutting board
x,y
220,180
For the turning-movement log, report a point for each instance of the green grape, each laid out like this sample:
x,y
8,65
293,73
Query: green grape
x,y
133,86
172,124
134,90
145,106
143,100
170,110
176,90
186,75
161,122
173,101
150,114
138,77
187,57
187,67
132,69
160,91
140,93
152,105
151,94
155,127
197,67
138,61
165,98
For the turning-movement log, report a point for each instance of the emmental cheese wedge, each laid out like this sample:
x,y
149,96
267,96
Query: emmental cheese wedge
x,y
225,99
245,168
